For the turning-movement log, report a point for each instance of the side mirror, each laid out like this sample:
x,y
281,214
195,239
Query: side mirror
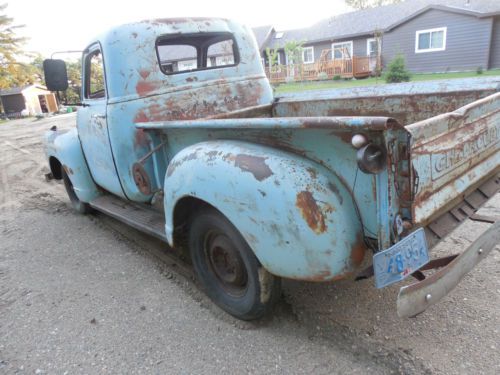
x,y
56,76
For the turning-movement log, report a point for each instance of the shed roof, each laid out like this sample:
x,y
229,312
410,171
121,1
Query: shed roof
x,y
383,18
20,89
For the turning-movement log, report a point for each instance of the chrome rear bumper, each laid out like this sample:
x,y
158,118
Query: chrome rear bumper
x,y
416,298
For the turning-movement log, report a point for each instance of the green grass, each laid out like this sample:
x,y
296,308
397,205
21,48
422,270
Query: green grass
x,y
372,81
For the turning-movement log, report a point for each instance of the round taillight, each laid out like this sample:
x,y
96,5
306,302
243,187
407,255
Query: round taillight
x,y
371,158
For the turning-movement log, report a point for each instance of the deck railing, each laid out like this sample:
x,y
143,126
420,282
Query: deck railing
x,y
356,67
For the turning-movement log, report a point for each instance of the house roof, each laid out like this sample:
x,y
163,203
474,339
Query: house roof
x,y
262,33
19,90
383,18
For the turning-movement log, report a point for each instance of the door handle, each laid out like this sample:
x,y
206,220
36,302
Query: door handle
x,y
98,116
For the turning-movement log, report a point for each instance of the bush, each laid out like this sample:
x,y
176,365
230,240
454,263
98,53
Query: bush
x,y
396,71
479,70
337,78
322,76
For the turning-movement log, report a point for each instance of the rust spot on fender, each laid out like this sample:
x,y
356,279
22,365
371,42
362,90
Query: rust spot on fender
x,y
320,276
336,191
173,165
256,165
313,172
326,275
358,251
345,137
141,138
311,212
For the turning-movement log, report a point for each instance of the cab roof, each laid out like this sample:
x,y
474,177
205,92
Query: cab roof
x,y
131,60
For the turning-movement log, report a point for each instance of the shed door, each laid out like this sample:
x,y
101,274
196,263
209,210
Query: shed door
x,y
92,123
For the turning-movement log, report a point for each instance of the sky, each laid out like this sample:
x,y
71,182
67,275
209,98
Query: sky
x,y
57,25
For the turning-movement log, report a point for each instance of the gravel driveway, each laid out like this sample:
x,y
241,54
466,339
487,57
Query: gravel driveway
x,y
87,294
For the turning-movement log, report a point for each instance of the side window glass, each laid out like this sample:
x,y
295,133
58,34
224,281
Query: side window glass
x,y
192,52
94,76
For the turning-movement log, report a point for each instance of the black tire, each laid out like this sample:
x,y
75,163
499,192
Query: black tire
x,y
227,268
77,204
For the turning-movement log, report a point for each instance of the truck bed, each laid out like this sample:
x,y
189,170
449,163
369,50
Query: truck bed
x,y
449,118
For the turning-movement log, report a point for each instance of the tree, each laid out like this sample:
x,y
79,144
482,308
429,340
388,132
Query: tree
x,y
272,58
12,72
363,4
74,69
293,50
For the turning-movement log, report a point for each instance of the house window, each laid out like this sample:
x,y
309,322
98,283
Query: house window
x,y
308,55
191,52
372,47
430,40
183,65
342,50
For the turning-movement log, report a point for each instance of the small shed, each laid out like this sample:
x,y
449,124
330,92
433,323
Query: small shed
x,y
28,100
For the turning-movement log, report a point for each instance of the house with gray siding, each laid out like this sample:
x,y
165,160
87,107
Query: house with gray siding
x,y
433,35
443,38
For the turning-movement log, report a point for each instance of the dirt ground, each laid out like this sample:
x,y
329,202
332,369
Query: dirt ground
x,y
87,294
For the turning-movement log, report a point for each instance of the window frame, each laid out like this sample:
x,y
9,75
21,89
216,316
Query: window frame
x,y
430,31
368,41
304,54
87,55
341,43
201,50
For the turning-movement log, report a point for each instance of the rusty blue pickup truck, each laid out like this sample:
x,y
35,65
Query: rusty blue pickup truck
x,y
180,136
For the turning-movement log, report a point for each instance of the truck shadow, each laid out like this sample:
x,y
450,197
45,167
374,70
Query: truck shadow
x,y
328,313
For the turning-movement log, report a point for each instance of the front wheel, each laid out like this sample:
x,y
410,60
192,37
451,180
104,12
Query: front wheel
x,y
77,204
227,268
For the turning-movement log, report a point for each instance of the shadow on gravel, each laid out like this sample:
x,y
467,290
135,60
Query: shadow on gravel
x,y
317,326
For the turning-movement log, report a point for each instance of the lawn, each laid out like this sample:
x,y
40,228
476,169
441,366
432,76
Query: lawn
x,y
373,81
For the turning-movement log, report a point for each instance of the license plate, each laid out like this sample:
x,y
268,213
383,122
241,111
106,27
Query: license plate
x,y
400,260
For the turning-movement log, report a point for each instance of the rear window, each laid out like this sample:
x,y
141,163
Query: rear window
x,y
192,52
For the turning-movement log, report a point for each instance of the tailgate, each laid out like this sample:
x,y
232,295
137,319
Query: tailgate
x,y
452,154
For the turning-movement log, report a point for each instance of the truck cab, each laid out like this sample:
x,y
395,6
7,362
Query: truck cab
x,y
179,135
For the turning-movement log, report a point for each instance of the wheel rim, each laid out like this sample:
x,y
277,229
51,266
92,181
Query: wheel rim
x,y
225,263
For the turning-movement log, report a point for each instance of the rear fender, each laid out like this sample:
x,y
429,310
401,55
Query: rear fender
x,y
298,217
65,147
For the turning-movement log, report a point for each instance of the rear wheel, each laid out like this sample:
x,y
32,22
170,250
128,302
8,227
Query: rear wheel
x,y
77,204
227,268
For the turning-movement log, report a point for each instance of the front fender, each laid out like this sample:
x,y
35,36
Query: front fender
x,y
297,216
66,148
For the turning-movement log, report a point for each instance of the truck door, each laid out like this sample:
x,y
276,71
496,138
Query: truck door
x,y
92,122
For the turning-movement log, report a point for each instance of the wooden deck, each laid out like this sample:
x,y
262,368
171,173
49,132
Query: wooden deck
x,y
355,67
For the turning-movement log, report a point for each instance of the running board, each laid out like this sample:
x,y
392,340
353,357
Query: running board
x,y
142,218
